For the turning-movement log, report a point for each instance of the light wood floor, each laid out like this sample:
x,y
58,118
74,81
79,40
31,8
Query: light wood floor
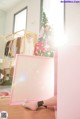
x,y
19,112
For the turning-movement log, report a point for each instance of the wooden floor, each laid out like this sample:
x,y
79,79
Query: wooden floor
x,y
19,112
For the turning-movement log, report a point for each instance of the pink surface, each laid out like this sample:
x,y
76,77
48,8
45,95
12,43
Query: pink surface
x,y
68,83
33,79
55,71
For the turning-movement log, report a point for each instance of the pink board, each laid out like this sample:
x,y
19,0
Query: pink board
x,y
68,96
33,79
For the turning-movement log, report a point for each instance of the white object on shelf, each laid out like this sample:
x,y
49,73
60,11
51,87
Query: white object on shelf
x,y
1,76
1,60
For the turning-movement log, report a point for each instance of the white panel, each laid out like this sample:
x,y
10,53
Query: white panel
x,y
33,79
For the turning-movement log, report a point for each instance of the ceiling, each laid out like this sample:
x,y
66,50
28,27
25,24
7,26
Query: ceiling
x,y
7,5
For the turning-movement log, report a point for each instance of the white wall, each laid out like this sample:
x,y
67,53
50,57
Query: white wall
x,y
69,67
2,32
2,22
72,23
33,20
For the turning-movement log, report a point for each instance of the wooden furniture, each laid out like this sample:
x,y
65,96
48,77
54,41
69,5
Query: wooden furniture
x,y
19,112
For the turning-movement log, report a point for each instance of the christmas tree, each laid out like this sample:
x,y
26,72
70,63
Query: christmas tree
x,y
44,19
42,48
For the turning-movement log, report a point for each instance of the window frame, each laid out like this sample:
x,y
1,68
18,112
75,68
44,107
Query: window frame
x,y
41,12
25,8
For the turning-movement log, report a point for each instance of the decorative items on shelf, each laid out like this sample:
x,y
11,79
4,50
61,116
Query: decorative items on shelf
x,y
42,49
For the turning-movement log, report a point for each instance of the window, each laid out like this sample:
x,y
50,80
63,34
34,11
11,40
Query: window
x,y
20,20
